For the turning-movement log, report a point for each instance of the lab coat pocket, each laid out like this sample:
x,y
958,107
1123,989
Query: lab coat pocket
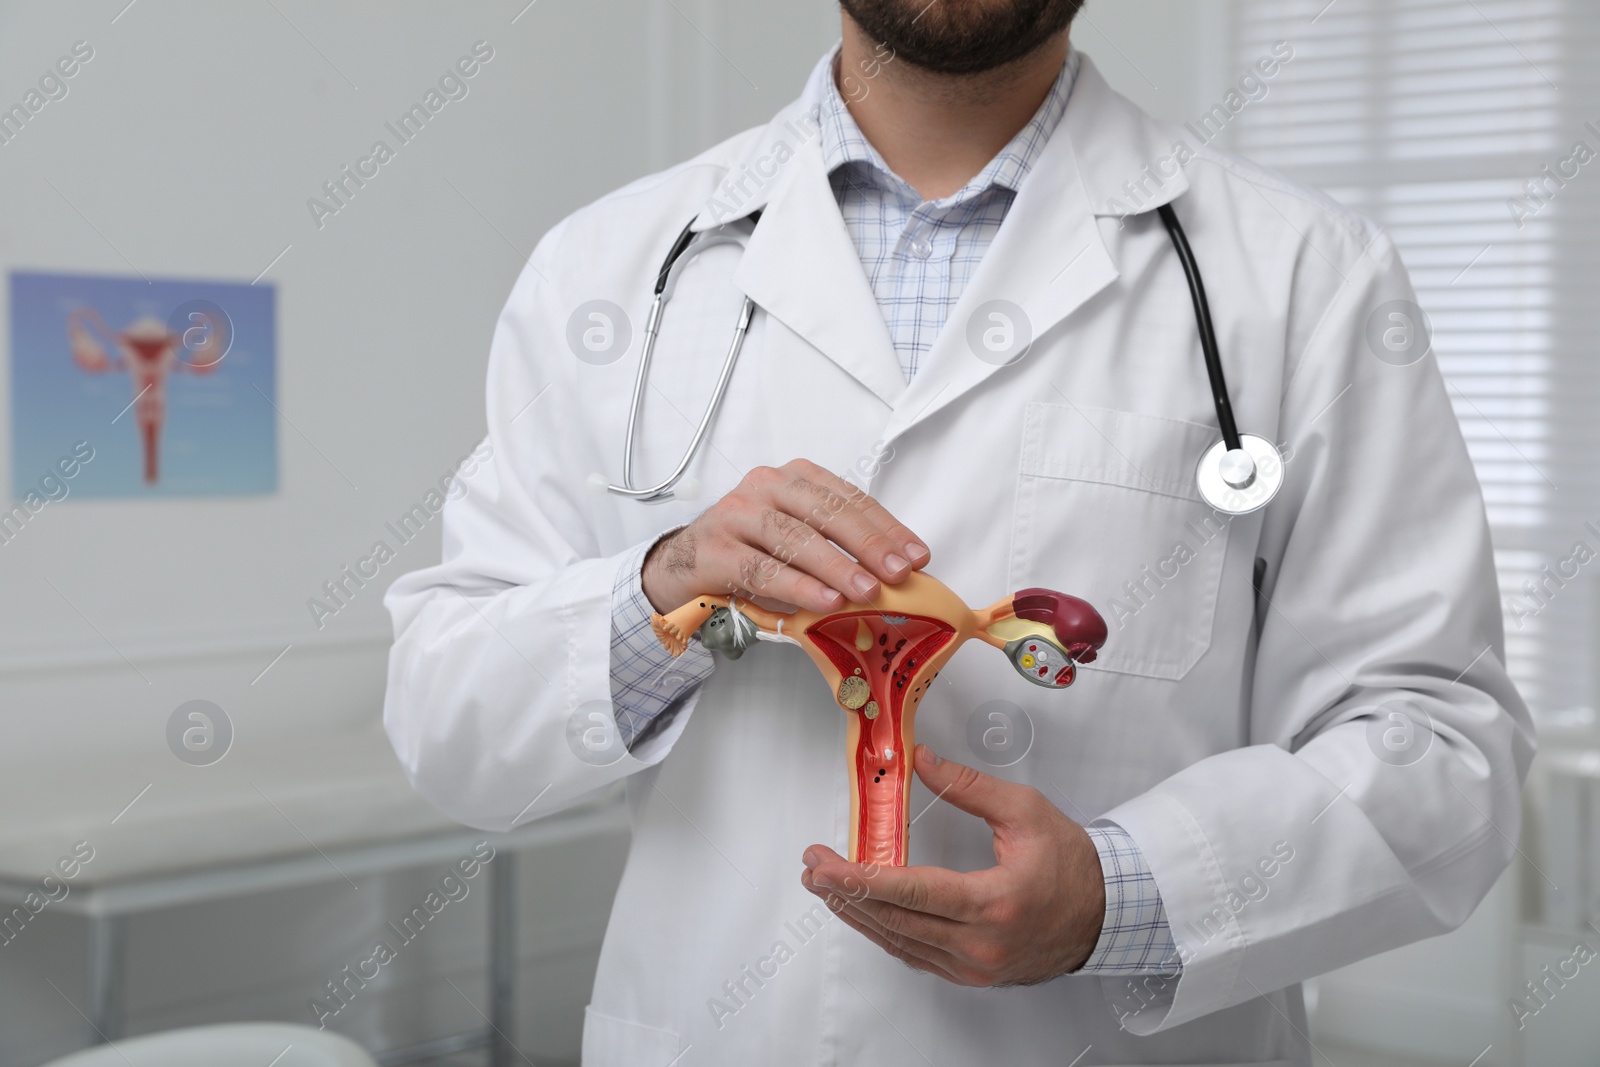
x,y
612,1042
1107,510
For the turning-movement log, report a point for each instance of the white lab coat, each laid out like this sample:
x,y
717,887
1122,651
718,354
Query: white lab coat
x,y
1223,730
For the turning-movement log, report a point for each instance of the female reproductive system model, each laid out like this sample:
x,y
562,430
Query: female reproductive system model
x,y
881,661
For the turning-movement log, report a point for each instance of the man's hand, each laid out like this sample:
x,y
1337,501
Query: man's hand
x,y
1034,915
773,539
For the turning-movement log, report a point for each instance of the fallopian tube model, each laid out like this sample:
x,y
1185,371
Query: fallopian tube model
x,y
148,351
880,660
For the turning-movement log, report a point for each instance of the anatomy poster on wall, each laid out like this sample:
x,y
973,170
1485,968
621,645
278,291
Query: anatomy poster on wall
x,y
171,383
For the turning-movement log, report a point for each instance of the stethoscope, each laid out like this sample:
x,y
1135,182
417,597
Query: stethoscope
x,y
1236,476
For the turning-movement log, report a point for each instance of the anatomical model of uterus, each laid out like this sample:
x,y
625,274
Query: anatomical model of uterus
x,y
148,350
880,660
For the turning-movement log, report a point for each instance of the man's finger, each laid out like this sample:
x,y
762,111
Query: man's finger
x,y
753,571
918,955
905,956
854,520
926,928
933,931
995,800
767,603
898,532
932,891
806,551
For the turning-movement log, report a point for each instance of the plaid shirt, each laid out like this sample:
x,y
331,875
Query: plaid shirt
x,y
918,256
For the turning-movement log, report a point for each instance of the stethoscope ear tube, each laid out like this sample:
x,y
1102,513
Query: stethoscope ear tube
x,y
684,237
666,279
1202,316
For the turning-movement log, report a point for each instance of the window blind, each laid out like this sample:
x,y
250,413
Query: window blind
x,y
1470,130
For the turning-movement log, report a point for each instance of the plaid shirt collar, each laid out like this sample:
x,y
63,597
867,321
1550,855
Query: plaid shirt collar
x,y
844,145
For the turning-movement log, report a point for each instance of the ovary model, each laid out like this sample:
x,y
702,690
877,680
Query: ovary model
x,y
881,660
148,351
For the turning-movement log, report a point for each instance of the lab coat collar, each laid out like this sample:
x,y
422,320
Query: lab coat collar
x,y
1121,154
1050,256
1105,159
800,266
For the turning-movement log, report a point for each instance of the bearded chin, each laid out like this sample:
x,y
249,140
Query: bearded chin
x,y
961,36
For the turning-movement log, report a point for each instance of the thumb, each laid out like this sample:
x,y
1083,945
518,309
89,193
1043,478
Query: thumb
x,y
995,800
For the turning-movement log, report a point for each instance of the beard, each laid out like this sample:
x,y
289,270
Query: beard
x,y
961,36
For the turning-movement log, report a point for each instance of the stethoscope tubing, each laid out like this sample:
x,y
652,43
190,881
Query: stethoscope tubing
x,y
652,328
1202,316
663,290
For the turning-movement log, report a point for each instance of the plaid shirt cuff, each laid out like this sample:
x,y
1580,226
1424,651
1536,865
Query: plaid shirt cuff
x,y
1135,938
647,684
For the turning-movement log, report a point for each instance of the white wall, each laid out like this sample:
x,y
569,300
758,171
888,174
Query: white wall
x,y
189,147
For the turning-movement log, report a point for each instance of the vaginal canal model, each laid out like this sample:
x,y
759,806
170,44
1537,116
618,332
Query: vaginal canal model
x,y
881,659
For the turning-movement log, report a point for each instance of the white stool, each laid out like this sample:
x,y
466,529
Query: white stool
x,y
229,1045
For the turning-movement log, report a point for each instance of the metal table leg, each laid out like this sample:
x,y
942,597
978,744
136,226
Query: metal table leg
x,y
108,951
503,959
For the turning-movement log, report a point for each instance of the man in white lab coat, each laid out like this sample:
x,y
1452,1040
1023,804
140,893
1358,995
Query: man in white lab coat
x,y
1299,745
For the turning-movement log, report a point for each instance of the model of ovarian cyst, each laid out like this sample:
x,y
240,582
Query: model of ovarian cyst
x,y
880,661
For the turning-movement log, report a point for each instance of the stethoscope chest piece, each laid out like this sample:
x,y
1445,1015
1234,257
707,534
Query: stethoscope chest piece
x,y
1239,481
